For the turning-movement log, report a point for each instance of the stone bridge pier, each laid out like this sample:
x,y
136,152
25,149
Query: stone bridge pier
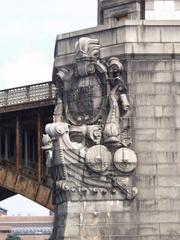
x,y
116,131
110,159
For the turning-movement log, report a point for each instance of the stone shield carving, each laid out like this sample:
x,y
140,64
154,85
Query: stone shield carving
x,y
92,159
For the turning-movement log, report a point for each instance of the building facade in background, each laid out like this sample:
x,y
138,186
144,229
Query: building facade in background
x,y
162,9
26,227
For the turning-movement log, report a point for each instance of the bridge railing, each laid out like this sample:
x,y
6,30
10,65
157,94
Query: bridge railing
x,y
27,94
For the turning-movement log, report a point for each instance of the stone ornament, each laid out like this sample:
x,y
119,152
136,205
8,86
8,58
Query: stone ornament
x,y
125,160
47,147
90,134
98,158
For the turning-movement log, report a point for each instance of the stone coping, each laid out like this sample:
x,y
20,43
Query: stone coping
x,y
129,39
121,23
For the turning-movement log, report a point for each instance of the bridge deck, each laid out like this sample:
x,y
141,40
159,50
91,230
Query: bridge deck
x,y
30,96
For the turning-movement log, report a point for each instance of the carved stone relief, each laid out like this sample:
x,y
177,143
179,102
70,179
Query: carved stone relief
x,y
92,159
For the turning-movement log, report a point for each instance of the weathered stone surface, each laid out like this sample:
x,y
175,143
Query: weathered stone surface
x,y
146,123
124,34
172,34
149,5
158,157
157,116
147,169
150,52
90,137
145,111
165,111
132,38
148,134
149,34
115,10
168,169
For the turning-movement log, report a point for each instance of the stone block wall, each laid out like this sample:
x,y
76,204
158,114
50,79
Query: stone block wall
x,y
150,52
154,91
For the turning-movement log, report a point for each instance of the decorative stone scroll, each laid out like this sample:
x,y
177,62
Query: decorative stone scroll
x,y
92,159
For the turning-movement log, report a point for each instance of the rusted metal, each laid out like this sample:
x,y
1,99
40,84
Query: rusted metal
x,y
3,174
43,195
21,183
14,177
18,144
16,183
10,179
32,189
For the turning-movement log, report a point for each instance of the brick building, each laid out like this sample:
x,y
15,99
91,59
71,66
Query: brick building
x,y
27,227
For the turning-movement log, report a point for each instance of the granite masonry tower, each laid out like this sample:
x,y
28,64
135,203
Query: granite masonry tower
x,y
116,131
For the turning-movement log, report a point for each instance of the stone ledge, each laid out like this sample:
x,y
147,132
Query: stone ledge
x,y
121,23
126,38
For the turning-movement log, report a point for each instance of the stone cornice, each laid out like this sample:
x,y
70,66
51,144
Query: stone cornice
x,y
127,39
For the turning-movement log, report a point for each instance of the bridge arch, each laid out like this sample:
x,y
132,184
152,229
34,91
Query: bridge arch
x,y
25,186
24,112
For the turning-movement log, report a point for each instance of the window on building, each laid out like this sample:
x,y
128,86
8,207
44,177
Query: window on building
x,y
162,9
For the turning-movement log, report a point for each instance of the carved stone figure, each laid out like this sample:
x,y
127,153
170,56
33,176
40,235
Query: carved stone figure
x,y
90,134
47,147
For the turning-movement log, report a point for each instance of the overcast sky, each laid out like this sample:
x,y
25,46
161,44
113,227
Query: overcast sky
x,y
28,31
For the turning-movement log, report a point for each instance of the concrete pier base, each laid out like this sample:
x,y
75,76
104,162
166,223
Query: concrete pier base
x,y
98,220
